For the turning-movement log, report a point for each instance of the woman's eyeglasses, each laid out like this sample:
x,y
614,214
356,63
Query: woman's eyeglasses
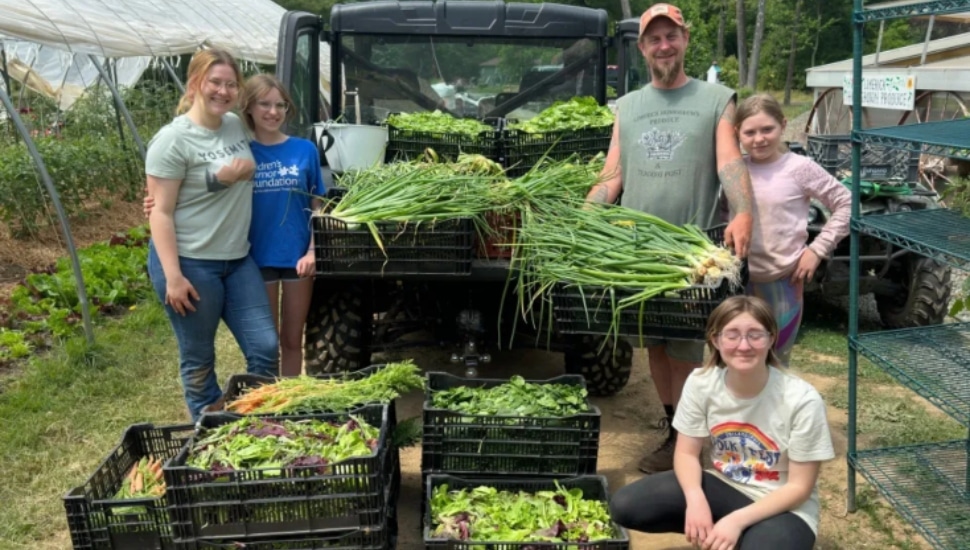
x,y
228,85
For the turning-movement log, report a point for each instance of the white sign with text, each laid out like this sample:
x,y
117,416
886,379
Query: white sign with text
x,y
883,91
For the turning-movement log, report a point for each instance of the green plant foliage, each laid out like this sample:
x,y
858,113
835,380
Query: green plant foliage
x,y
83,152
85,168
576,114
487,514
46,305
729,72
517,397
13,345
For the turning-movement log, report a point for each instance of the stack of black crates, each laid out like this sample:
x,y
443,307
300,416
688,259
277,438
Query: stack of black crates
x,y
510,453
350,506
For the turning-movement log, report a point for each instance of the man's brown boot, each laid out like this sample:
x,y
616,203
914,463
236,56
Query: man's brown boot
x,y
662,458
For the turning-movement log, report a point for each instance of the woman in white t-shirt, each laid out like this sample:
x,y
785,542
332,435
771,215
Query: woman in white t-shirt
x,y
769,436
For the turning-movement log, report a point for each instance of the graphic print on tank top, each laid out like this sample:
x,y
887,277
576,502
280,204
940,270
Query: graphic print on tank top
x,y
661,144
744,453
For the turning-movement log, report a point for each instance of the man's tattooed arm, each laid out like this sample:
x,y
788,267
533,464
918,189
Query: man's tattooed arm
x,y
599,193
611,177
731,169
737,185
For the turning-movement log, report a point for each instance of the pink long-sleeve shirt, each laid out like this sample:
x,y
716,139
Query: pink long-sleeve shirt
x,y
782,193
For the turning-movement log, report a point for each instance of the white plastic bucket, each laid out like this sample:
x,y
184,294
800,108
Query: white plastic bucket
x,y
352,146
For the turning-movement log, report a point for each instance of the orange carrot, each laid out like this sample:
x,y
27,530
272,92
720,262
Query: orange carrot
x,y
137,483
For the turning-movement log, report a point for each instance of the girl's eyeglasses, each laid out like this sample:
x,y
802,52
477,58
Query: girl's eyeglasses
x,y
755,338
267,105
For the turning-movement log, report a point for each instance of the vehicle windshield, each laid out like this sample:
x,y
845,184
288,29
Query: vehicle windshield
x,y
468,77
637,73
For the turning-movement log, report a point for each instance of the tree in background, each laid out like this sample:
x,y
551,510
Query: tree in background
x,y
741,26
759,35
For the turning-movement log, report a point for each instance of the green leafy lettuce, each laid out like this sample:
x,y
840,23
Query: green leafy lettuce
x,y
487,514
437,122
576,114
258,443
515,398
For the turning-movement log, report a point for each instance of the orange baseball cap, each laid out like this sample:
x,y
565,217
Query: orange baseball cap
x,y
661,10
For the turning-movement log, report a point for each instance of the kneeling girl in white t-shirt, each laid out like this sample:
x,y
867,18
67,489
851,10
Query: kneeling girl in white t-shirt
x,y
769,436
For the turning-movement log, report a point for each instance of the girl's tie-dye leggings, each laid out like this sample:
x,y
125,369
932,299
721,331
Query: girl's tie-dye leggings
x,y
787,303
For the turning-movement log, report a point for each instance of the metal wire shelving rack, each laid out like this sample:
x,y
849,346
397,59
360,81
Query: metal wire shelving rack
x,y
928,484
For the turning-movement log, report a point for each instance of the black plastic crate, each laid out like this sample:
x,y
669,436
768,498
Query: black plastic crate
x,y
446,247
405,145
378,537
237,383
98,522
593,487
296,501
358,539
878,162
475,445
679,315
523,150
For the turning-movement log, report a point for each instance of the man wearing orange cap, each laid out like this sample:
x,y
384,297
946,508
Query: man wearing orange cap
x,y
674,152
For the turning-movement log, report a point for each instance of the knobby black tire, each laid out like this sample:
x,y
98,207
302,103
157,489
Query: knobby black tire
x,y
926,298
606,368
338,330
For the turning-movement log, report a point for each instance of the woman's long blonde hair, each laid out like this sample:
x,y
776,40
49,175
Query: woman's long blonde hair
x,y
199,66
726,312
256,87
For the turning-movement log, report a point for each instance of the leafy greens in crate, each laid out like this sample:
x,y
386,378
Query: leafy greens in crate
x,y
487,514
260,443
516,398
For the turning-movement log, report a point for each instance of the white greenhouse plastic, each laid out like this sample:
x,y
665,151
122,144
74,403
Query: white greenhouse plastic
x,y
47,42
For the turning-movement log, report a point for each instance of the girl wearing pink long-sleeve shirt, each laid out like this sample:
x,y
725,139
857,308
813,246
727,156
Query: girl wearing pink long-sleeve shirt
x,y
784,183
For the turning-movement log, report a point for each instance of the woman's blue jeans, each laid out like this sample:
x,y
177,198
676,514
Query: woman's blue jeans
x,y
229,290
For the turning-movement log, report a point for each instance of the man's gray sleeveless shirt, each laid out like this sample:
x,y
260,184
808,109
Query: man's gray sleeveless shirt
x,y
667,151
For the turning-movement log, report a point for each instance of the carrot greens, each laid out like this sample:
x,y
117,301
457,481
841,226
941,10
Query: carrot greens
x,y
305,394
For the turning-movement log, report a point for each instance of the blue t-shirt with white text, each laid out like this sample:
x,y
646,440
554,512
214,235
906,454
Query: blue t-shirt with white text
x,y
287,174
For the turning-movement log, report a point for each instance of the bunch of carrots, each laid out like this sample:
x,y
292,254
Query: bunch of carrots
x,y
305,394
144,480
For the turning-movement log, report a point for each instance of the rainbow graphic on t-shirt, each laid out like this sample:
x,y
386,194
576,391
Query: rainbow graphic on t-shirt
x,y
744,453
746,430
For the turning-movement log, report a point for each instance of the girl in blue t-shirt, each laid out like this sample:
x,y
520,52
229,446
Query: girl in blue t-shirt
x,y
287,174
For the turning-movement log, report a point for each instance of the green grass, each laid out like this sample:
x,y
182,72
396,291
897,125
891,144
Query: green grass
x,y
888,416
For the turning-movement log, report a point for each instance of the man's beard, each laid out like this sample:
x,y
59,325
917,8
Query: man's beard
x,y
667,74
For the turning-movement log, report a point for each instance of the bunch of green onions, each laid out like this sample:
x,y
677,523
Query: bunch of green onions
x,y
605,248
549,180
418,193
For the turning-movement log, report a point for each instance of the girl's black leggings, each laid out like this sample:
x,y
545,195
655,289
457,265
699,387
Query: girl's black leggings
x,y
656,504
